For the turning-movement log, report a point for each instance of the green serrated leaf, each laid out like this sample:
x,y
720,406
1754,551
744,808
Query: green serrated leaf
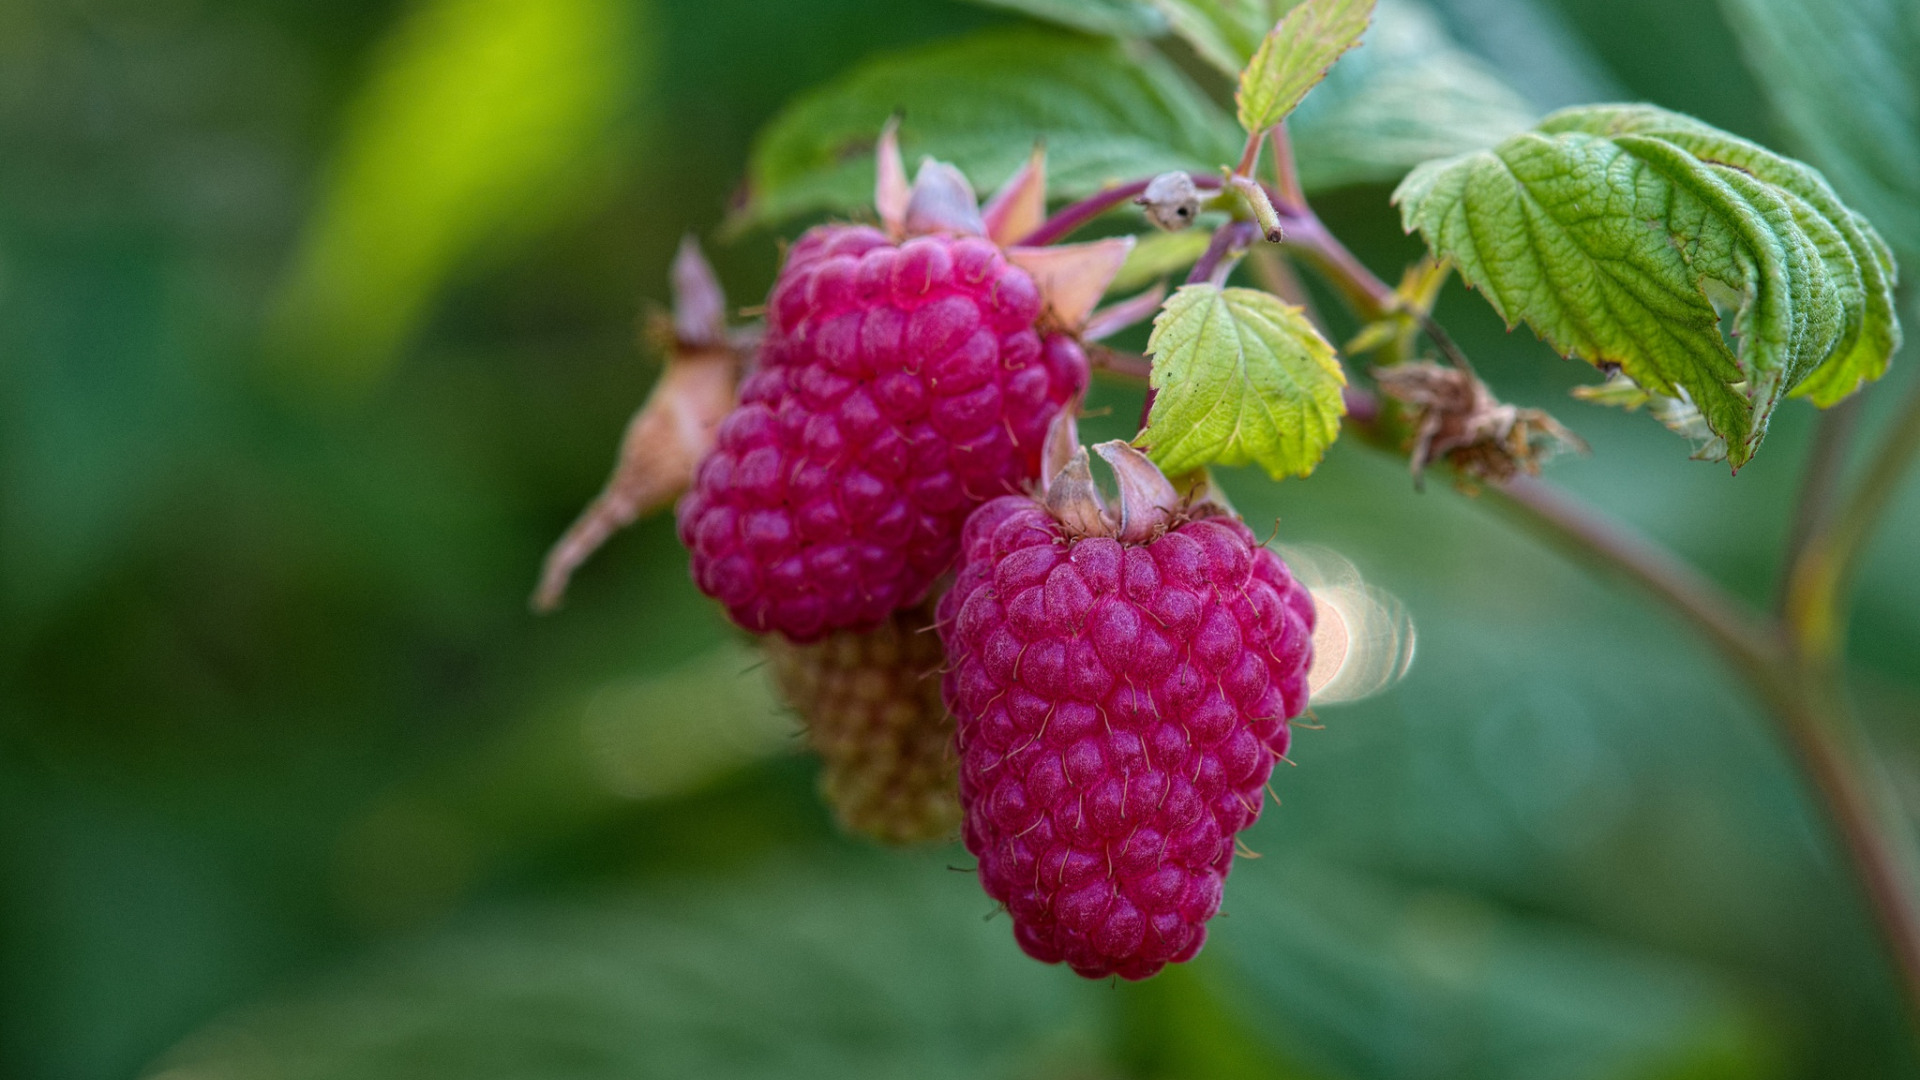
x,y
1120,18
1406,94
1618,233
1675,414
1108,112
1240,377
1841,77
1295,56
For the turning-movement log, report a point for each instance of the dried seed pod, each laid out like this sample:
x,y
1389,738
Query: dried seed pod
x,y
871,704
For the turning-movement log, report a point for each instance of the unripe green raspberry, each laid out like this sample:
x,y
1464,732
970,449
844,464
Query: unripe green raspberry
x,y
871,704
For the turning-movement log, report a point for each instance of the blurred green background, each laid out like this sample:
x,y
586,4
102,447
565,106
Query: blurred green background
x,y
317,325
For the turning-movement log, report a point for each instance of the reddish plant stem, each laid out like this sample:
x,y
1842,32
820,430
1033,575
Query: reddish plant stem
x,y
1819,485
1288,195
1792,664
1074,215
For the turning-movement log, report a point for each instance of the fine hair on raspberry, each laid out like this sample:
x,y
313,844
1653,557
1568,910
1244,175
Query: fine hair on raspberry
x,y
1120,705
899,386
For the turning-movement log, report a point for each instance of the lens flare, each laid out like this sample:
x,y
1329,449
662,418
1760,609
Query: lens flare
x,y
1363,638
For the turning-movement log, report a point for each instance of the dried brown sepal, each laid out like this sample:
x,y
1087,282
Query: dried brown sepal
x,y
663,444
1149,503
871,705
671,432
1074,499
1457,418
943,201
699,304
890,190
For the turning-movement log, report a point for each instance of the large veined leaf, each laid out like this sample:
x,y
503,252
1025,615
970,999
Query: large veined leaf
x,y
1107,111
1294,56
1622,233
1407,94
1361,978
1841,76
1119,17
1240,377
851,968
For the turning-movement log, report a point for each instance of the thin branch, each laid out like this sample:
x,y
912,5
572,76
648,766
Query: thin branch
x,y
1741,635
1370,297
1288,194
1074,215
1820,484
1232,237
1250,156
1822,574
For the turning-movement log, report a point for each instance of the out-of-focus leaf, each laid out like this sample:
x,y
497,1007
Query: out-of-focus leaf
x,y
841,968
1842,77
1122,18
1295,55
480,121
1224,33
562,768
1405,95
1408,94
1107,112
1374,982
1553,227
1157,255
1240,377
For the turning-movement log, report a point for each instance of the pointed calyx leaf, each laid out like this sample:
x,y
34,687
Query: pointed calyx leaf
x,y
699,305
890,190
1149,503
1621,234
1295,56
1020,205
943,201
1073,277
1240,377
1074,499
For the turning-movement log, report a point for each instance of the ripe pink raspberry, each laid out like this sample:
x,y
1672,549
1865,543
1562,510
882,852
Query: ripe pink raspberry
x,y
1122,691
899,386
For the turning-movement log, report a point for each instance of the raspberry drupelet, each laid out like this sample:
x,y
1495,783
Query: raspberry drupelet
x,y
871,704
1122,690
899,386
908,373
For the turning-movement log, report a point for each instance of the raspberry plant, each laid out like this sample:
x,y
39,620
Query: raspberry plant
x,y
1120,679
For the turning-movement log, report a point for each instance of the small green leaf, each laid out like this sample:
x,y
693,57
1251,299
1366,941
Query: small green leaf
x,y
1120,18
1620,233
1240,377
1156,255
1409,93
1108,112
1295,56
